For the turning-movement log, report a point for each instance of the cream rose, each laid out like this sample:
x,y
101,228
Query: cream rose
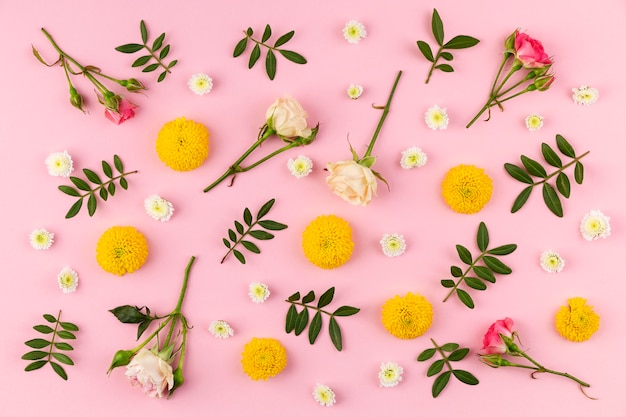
x,y
287,118
151,372
353,182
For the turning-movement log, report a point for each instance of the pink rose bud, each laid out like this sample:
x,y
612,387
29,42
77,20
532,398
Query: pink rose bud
x,y
544,82
530,51
125,111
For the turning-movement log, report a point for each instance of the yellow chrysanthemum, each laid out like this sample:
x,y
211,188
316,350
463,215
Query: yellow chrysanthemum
x,y
577,321
183,144
327,241
407,317
121,249
466,189
263,357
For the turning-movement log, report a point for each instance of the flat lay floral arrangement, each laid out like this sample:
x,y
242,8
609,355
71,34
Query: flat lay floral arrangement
x,y
389,230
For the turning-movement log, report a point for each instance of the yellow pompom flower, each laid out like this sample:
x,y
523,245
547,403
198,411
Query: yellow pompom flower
x,y
263,357
327,241
466,189
121,249
407,317
183,144
577,321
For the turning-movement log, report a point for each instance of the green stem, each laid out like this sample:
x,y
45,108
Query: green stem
x,y
105,184
498,102
441,352
54,335
260,161
495,81
541,369
157,58
432,67
558,171
308,306
145,342
244,234
462,277
260,43
176,314
383,117
530,76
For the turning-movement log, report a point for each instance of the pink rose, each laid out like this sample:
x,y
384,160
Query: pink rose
x,y
530,51
151,372
353,182
493,343
125,111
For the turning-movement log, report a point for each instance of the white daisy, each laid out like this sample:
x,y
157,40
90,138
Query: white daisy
x,y
300,167
41,239
158,208
355,91
393,245
436,118
68,279
551,261
595,225
390,374
413,158
221,329
534,122
354,31
585,95
200,84
60,164
324,395
258,292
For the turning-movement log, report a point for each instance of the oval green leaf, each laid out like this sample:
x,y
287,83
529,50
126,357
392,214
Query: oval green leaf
x,y
59,370
565,147
465,377
461,42
345,311
144,31
35,365
124,183
503,250
293,56
162,76
496,265
294,297
533,167
37,343
129,48
49,318
265,209
449,347
482,237
266,33
141,61
80,183
315,327
117,162
69,190
254,56
272,225
270,64
435,367
239,227
63,358
427,354
326,298
563,185
457,355
150,68
447,283
437,27
128,314
261,235
440,383
484,273
290,320
68,326
106,168
518,173
103,193
158,42
63,346
239,256
475,283
425,50
73,211
250,246
92,204
521,199
445,68
447,56
455,271
240,47
551,198
465,298
284,39
464,254
34,355
310,296
64,334
226,242
579,172
164,51
42,328
171,64
550,156
247,216
335,334
301,321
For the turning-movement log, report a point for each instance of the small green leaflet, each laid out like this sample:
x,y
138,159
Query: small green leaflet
x,y
456,354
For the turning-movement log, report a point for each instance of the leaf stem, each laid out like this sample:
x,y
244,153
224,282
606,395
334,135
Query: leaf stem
x,y
462,277
558,171
432,67
308,306
89,193
157,58
260,43
441,352
54,335
244,234
383,117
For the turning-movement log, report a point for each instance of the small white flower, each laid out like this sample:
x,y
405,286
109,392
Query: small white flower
x,y
41,239
390,374
221,329
585,95
68,279
200,84
595,225
551,261
355,91
393,245
158,208
436,118
258,292
354,31
324,395
413,158
300,167
60,164
534,122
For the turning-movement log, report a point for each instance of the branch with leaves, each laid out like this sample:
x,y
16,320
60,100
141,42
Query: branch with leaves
x,y
481,273
297,322
455,354
104,189
270,57
458,42
157,45
134,315
256,233
534,168
42,357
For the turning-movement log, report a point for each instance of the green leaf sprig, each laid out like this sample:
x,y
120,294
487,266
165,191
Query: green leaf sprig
x,y
41,357
455,354
157,45
270,57
481,273
297,322
458,42
104,189
134,315
534,168
256,233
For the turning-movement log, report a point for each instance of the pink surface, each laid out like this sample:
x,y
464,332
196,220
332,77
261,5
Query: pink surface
x,y
38,120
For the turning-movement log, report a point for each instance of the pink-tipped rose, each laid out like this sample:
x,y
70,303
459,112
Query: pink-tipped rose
x,y
493,342
151,372
125,111
530,51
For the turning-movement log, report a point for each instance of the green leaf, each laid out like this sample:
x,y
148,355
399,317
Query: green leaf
x,y
482,237
37,343
426,354
461,42
164,51
50,318
447,56
521,199
345,311
315,327
43,329
440,383
158,42
326,298
284,39
128,314
250,246
496,265
475,283
144,31
503,250
533,167
465,377
92,204
445,68
171,64
294,297
117,162
518,173
272,225
301,321
563,184
465,298
239,227
335,334
150,68
290,320
437,26
464,254
579,172
111,188
267,33
261,235
435,367
484,273
247,216
232,235
293,56
103,194
254,56
69,190
63,346
63,358
34,355
35,365
551,198
64,334
129,48
550,156
226,242
81,184
456,271
265,209
249,32
239,256
59,370
73,211
141,61
270,64
240,47
425,50
124,183
565,147
143,326
457,355
106,168
447,283
449,347
161,78
310,296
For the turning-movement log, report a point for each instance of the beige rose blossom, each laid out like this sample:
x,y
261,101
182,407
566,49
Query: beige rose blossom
x,y
353,182
287,117
151,372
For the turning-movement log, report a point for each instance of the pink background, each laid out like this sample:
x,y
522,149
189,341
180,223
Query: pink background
x,y
586,42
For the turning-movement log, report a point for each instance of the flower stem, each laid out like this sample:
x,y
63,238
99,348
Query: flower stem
x,y
383,117
432,67
541,369
176,314
260,161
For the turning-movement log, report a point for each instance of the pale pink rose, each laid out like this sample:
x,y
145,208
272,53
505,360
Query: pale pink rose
x,y
530,51
353,182
125,111
493,342
151,372
287,118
